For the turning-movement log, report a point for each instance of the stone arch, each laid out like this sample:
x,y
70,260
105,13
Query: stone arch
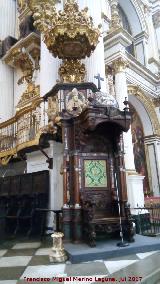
x,y
139,29
146,110
135,15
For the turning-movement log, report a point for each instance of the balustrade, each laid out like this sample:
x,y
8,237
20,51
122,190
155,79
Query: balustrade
x,y
23,130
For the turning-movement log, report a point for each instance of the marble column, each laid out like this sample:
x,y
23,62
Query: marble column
x,y
49,65
7,24
48,70
95,63
119,67
48,77
133,180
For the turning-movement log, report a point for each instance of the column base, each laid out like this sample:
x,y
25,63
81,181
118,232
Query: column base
x,y
135,191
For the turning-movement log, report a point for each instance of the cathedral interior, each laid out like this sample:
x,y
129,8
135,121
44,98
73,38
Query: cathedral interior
x,y
79,116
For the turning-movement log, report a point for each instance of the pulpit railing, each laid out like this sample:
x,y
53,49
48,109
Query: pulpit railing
x,y
147,220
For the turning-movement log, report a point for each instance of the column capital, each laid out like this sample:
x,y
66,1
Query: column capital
x,y
108,70
119,65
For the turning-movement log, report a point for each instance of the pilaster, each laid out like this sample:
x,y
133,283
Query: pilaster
x,y
156,23
152,146
153,55
119,66
133,179
141,47
7,24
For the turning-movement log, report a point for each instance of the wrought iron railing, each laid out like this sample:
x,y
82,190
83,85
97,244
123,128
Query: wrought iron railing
x,y
147,220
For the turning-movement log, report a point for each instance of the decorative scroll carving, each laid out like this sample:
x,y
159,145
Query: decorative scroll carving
x,y
25,55
119,65
5,160
31,93
68,34
65,29
72,71
22,4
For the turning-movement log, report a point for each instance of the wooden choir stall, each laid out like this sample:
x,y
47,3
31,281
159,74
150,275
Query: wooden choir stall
x,y
21,197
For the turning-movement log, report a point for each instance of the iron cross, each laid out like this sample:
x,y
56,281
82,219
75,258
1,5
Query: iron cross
x,y
99,78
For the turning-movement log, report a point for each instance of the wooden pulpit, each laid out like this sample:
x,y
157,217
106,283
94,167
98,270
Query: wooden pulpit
x,y
94,181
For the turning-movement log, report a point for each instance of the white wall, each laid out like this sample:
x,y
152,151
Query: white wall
x,y
36,161
7,27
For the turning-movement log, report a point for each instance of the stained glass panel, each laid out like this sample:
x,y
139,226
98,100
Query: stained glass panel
x,y
95,173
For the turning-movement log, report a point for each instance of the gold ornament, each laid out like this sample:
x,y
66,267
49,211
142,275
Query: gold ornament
x,y
53,108
119,65
4,161
21,4
69,33
31,94
156,102
25,55
72,71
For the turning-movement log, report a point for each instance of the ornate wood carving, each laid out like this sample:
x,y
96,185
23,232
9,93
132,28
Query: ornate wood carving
x,y
92,140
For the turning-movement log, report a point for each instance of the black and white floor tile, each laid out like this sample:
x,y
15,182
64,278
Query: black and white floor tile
x,y
31,260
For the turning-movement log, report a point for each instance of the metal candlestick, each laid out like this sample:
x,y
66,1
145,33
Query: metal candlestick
x,y
122,243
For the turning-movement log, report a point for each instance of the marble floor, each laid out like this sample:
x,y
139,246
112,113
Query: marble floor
x,y
24,261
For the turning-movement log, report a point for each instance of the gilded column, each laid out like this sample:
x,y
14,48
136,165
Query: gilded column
x,y
7,28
